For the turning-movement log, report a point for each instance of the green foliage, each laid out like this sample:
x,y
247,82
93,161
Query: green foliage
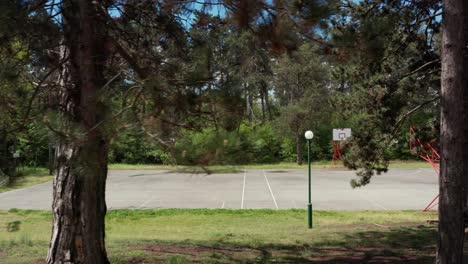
x,y
384,71
218,92
133,147
249,144
33,145
13,226
300,82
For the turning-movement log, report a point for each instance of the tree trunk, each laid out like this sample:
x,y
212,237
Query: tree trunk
x,y
251,104
262,104
267,101
465,106
298,147
451,227
247,106
51,159
79,206
3,151
7,162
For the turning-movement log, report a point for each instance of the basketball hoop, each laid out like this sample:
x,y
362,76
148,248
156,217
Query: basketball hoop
x,y
339,134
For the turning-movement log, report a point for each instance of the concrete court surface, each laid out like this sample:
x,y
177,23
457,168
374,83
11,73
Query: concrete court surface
x,y
250,189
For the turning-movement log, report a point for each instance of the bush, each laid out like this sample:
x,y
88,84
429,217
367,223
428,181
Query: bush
x,y
249,144
133,147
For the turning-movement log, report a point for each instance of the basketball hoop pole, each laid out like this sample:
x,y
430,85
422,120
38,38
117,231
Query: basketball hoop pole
x,y
336,153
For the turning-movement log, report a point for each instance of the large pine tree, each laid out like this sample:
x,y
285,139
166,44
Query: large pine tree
x,y
79,203
451,200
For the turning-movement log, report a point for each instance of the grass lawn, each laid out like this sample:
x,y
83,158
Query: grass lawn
x,y
27,177
237,236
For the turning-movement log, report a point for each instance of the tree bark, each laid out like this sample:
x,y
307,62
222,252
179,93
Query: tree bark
x,y
79,206
451,200
465,106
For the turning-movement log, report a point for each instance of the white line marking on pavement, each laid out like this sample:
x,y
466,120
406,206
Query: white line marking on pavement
x,y
222,206
146,202
243,189
271,192
418,171
377,204
428,170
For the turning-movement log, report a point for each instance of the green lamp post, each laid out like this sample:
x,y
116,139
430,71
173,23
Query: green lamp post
x,y
309,135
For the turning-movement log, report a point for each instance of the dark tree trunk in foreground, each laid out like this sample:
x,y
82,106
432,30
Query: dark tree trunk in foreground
x,y
79,206
451,201
465,107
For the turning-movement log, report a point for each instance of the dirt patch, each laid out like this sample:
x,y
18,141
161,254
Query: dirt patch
x,y
195,252
283,254
189,249
367,255
137,260
373,225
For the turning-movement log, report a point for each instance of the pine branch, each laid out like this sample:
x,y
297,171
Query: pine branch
x,y
129,58
409,113
37,89
420,68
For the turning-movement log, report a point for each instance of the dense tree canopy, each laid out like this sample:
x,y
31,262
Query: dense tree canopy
x,y
203,71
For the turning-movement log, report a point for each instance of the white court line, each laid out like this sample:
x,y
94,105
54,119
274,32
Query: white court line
x,y
428,169
271,192
146,202
418,171
377,204
243,189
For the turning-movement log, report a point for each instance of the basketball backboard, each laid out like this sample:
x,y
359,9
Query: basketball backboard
x,y
340,134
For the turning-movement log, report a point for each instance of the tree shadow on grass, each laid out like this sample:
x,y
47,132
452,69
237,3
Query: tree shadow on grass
x,y
386,245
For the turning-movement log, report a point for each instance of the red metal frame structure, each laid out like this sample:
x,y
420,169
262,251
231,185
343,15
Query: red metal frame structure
x,y
339,134
429,154
336,153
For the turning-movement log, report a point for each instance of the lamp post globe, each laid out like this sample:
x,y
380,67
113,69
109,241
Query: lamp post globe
x,y
309,135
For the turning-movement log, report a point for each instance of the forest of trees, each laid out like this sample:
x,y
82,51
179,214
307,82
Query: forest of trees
x,y
87,83
223,82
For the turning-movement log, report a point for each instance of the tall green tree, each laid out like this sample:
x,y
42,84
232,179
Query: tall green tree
x,y
79,203
24,77
416,33
387,68
301,83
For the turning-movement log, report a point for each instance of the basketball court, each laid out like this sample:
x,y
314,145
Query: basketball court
x,y
250,189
